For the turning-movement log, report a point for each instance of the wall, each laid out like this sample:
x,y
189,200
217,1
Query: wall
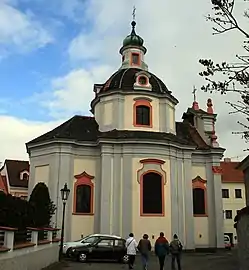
x,y
83,224
30,258
150,225
233,204
201,223
243,240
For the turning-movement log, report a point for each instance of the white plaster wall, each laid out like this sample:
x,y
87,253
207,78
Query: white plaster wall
x,y
30,258
201,232
42,174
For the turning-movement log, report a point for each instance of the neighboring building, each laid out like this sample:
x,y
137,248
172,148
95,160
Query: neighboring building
x,y
15,173
244,166
233,194
131,167
3,184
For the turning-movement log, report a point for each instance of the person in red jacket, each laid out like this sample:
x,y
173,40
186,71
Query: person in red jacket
x,y
161,249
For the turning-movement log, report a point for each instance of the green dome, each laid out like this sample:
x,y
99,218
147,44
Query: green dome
x,y
133,39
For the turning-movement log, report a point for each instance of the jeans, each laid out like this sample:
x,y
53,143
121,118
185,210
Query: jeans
x,y
145,259
176,257
161,261
131,261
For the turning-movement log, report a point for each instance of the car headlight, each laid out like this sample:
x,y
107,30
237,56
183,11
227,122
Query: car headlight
x,y
64,246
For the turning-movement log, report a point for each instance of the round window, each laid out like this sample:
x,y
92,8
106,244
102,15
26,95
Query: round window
x,y
142,80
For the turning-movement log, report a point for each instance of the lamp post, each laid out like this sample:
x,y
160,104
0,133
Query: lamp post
x,y
64,195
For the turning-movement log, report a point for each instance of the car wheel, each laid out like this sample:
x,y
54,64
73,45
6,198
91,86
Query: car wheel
x,y
82,257
125,259
68,253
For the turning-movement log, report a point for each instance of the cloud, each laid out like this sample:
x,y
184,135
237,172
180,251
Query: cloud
x,y
176,37
16,132
20,32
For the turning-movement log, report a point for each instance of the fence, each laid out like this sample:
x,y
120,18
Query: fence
x,y
12,239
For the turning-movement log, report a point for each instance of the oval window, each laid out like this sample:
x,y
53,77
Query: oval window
x,y
142,80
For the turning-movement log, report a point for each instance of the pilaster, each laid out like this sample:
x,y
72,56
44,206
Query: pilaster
x,y
188,204
106,215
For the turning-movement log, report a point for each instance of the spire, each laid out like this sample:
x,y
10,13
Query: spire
x,y
195,105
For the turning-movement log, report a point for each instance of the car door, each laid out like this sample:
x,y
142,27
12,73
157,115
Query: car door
x,y
119,249
103,249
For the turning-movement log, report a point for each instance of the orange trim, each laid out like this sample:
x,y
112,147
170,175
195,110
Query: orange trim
x,y
139,59
137,103
217,169
198,182
83,179
141,195
152,160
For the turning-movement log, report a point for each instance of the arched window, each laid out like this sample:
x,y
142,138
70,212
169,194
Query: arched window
x,y
142,113
152,194
199,197
83,194
25,176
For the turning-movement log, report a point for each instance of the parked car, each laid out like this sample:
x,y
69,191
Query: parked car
x,y
106,248
227,242
67,247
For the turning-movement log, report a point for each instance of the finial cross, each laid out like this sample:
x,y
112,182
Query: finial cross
x,y
134,13
194,92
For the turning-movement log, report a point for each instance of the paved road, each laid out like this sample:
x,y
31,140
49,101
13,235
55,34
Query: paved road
x,y
221,261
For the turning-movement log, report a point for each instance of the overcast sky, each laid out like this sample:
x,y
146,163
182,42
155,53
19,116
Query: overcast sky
x,y
51,55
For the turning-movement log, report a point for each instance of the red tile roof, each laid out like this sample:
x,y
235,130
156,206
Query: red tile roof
x,y
230,174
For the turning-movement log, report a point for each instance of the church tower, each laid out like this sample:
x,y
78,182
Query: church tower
x,y
133,98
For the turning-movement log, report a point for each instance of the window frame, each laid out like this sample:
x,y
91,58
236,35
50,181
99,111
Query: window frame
x,y
138,103
228,211
162,194
225,189
83,179
200,183
139,59
235,194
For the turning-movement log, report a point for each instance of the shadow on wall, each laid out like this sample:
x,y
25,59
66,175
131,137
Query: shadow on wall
x,y
242,227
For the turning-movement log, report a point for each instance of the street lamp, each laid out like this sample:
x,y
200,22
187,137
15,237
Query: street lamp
x,y
64,195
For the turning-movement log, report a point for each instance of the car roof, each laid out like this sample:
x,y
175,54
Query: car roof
x,y
106,235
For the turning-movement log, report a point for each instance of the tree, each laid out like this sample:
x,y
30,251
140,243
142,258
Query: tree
x,y
42,207
236,75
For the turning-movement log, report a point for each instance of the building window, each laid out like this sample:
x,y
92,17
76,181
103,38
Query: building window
x,y
123,58
135,59
142,80
199,201
152,199
142,113
83,194
225,193
228,214
25,177
199,197
238,193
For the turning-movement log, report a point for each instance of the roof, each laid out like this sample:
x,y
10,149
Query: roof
x,y
3,184
230,174
124,80
85,129
14,168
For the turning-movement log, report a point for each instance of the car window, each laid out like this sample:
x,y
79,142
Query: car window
x,y
105,243
90,239
118,243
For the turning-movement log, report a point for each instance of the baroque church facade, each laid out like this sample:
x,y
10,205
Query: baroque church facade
x,y
131,167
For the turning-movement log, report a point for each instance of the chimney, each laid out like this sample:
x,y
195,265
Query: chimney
x,y
227,159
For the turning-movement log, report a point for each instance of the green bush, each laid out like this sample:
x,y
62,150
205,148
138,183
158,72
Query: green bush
x,y
18,213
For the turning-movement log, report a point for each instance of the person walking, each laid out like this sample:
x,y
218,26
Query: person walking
x,y
161,249
131,246
175,248
144,247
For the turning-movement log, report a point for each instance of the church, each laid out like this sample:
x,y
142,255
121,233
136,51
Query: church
x,y
131,167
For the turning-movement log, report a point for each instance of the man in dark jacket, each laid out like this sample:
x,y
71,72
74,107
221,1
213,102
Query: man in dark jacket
x,y
175,250
161,249
144,247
